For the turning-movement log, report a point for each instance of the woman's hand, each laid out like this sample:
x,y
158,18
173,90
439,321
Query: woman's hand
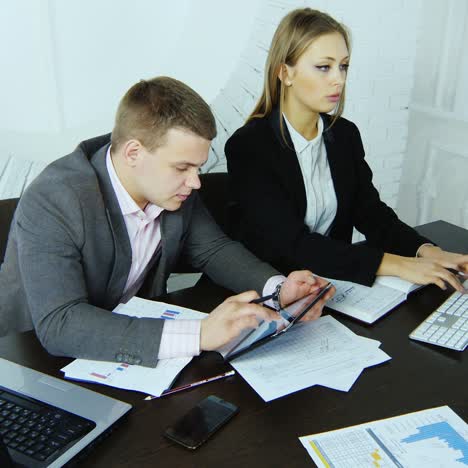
x,y
426,269
436,253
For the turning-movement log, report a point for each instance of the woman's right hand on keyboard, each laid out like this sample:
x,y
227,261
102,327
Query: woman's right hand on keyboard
x,y
427,269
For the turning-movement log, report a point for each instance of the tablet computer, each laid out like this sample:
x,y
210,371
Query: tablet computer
x,y
267,331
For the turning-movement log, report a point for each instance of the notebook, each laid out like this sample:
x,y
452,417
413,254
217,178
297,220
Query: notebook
x,y
46,422
370,303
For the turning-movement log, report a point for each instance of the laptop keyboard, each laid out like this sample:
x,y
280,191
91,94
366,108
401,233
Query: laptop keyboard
x,y
36,430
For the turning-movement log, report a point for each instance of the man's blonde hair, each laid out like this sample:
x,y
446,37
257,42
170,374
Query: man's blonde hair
x,y
151,107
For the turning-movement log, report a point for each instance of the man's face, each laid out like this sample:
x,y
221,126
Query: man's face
x,y
167,176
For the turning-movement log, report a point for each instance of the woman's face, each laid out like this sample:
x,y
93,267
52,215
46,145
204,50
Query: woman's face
x,y
315,82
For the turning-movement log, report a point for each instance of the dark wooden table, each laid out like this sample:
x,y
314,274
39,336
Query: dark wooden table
x,y
418,376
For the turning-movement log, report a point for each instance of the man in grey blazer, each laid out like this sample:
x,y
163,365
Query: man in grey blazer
x,y
111,219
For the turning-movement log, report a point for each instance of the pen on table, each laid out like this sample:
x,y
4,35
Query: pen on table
x,y
191,385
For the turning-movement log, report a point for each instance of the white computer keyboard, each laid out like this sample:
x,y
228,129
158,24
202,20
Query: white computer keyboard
x,y
448,325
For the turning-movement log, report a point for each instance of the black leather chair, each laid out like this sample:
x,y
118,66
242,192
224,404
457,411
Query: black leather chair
x,y
10,321
215,195
214,192
7,210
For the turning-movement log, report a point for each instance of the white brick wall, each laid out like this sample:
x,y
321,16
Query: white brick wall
x,y
16,174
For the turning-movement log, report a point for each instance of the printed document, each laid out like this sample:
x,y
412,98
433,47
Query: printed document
x,y
436,437
321,352
152,381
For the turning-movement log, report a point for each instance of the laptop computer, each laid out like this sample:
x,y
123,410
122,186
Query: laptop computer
x,y
47,422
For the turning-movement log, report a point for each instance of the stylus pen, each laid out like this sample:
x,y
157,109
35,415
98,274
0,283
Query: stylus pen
x,y
191,385
262,299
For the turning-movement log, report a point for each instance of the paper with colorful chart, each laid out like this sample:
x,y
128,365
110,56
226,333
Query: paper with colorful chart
x,y
149,380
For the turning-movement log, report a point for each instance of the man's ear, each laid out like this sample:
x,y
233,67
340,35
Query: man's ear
x,y
132,152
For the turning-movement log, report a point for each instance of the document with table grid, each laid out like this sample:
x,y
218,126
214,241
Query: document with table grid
x,y
321,352
435,437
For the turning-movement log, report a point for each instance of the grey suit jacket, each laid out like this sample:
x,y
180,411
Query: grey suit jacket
x,y
68,258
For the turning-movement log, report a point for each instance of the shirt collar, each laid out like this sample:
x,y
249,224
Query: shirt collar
x,y
300,143
127,204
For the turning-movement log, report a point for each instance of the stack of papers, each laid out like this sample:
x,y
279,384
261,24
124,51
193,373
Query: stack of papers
x,y
131,377
321,352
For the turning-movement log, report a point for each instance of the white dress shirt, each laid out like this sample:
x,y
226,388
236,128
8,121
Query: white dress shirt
x,y
318,182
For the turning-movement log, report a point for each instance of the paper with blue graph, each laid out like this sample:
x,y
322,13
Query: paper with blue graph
x,y
152,381
436,437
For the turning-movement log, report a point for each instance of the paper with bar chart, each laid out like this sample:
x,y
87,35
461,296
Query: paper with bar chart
x,y
149,380
436,437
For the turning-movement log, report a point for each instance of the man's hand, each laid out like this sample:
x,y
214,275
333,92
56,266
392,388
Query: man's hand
x,y
301,283
230,318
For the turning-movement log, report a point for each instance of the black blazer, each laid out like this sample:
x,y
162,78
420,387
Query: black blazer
x,y
268,191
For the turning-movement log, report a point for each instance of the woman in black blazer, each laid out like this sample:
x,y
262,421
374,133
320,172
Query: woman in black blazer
x,y
299,179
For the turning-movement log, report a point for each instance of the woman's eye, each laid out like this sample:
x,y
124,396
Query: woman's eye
x,y
323,68
344,67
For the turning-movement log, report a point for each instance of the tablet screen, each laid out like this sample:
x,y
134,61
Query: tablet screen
x,y
265,330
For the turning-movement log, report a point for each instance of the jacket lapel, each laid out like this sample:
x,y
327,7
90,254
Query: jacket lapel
x,y
287,162
334,152
123,249
171,230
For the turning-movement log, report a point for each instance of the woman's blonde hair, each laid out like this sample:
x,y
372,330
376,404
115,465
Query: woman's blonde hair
x,y
296,31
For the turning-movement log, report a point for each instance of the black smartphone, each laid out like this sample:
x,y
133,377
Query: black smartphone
x,y
200,422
